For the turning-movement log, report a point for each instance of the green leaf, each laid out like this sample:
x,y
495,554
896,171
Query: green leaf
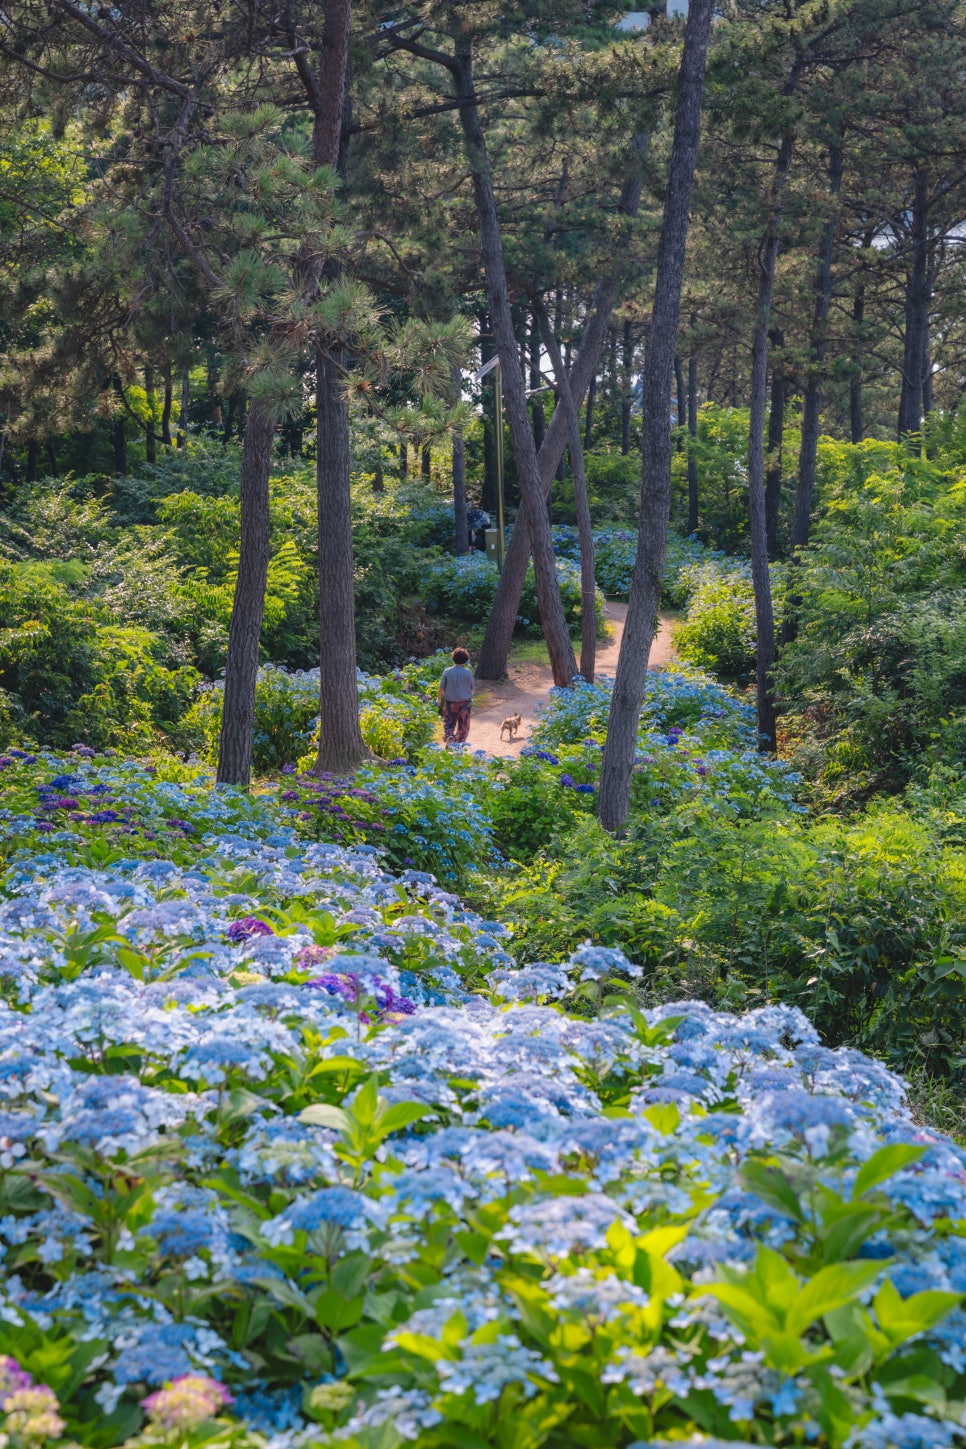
x,y
664,1117
322,1114
401,1114
883,1164
831,1288
773,1187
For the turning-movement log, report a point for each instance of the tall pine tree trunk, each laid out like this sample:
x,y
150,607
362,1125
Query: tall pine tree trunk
x,y
506,602
341,746
645,593
916,335
585,532
812,403
776,432
627,360
166,406
150,437
185,399
692,440
765,652
244,632
552,617
536,383
856,414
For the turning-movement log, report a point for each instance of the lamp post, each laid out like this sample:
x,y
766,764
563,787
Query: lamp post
x,y
494,366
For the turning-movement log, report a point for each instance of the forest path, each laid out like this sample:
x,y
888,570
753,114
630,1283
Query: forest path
x,y
529,683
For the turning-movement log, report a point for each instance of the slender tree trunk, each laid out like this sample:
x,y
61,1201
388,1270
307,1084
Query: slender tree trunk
x,y
764,610
692,440
244,633
3,439
812,403
552,617
776,431
915,342
166,407
341,746
185,400
427,463
506,603
856,418
645,593
33,453
150,437
589,413
627,359
214,396
536,382
585,532
51,459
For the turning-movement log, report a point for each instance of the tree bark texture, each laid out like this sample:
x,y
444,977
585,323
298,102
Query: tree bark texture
x,y
244,632
166,407
812,402
506,602
552,616
589,412
585,531
185,400
916,334
621,745
150,437
692,439
776,431
341,746
761,579
627,361
536,383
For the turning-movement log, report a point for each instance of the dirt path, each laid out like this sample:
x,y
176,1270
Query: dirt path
x,y
529,683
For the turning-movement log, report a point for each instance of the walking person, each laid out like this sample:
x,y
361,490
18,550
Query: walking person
x,y
455,698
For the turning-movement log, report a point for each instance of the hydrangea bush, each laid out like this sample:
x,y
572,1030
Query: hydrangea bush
x,y
615,550
293,1153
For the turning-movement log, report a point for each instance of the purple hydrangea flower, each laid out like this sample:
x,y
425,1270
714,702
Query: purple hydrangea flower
x,y
248,927
12,1376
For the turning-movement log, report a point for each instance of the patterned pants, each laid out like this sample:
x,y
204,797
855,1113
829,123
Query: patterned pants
x,y
456,720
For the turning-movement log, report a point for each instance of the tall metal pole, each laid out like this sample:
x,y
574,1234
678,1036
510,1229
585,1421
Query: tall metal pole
x,y
498,423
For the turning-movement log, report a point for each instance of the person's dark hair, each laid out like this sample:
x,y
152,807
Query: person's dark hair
x,y
460,656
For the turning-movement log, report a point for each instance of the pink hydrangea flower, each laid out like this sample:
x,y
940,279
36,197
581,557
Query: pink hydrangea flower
x,y
186,1402
32,1415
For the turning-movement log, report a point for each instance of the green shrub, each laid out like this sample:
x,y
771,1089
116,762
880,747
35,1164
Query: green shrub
x,y
879,659
71,673
462,589
286,710
531,804
719,631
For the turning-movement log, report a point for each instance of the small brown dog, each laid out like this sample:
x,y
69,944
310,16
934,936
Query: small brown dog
x,y
511,724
